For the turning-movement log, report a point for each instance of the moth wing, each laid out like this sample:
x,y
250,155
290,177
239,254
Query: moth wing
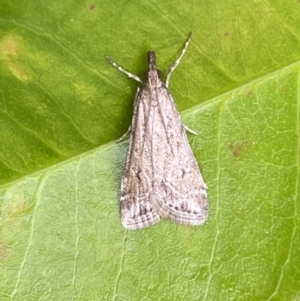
x,y
136,186
179,192
137,213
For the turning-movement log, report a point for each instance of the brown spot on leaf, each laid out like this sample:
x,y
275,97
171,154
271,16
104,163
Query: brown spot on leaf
x,y
226,34
282,88
3,251
236,149
92,7
240,147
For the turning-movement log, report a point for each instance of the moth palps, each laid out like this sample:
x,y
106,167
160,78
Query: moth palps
x,y
161,178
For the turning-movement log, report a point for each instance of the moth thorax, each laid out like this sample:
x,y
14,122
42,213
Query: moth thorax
x,y
153,77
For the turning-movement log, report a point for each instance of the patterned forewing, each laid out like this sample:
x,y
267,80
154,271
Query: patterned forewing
x,y
179,192
136,186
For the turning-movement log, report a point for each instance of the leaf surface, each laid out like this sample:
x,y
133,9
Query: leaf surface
x,y
63,106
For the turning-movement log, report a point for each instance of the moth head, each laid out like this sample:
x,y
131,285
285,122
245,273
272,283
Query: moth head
x,y
152,73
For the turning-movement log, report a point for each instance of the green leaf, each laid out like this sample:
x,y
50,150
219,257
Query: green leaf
x,y
63,106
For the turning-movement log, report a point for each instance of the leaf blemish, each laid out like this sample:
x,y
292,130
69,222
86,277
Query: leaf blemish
x,y
18,71
3,251
10,46
236,149
10,50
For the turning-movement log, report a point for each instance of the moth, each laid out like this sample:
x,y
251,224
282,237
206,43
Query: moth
x,y
161,178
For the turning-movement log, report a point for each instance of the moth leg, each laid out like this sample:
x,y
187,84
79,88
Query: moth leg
x,y
126,134
189,130
133,76
176,63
